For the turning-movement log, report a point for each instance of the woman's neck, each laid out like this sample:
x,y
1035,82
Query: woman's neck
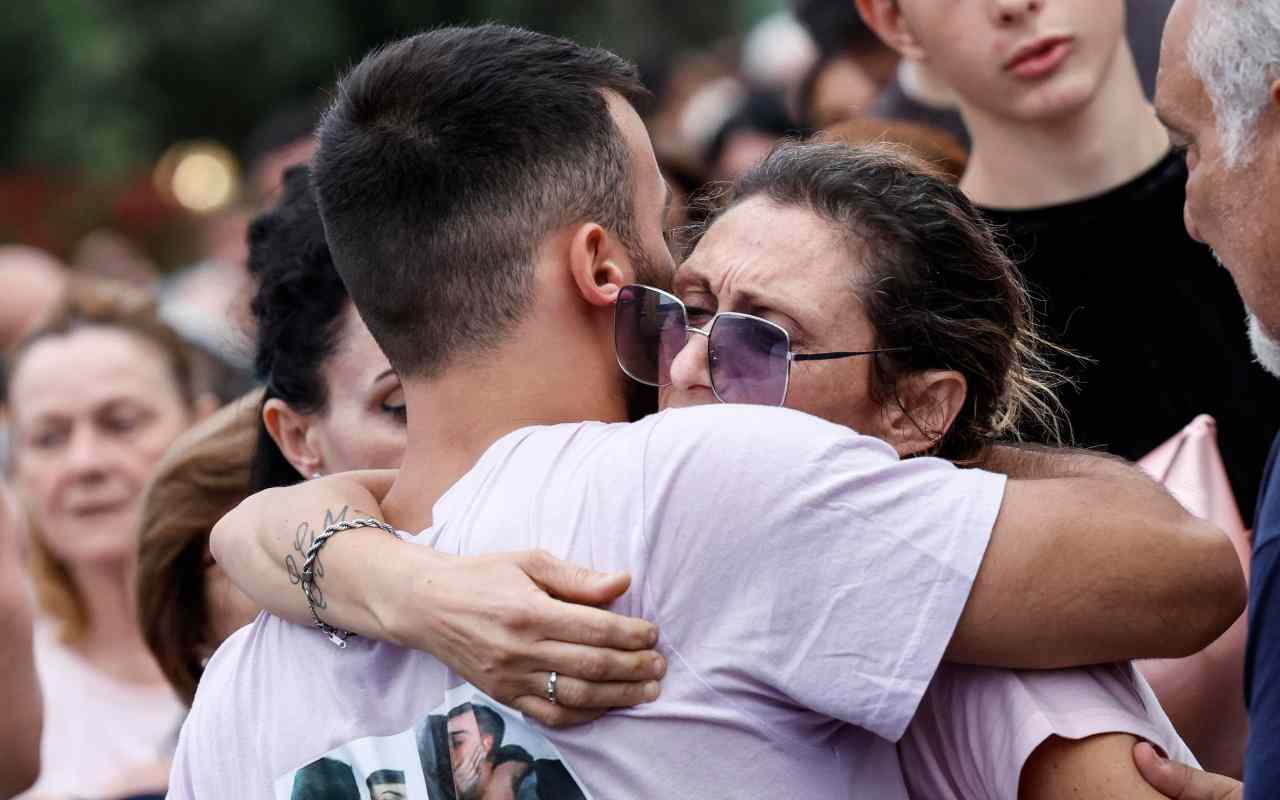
x,y
112,640
1112,139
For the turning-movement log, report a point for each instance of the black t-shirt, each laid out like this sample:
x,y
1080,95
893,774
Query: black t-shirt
x,y
1117,279
1262,659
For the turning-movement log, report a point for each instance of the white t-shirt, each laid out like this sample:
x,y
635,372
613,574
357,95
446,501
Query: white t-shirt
x,y
97,731
805,580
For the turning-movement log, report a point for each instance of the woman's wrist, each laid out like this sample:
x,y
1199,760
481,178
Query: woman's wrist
x,y
400,606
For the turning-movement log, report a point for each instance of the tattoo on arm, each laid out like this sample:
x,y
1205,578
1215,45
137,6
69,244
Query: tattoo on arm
x,y
303,538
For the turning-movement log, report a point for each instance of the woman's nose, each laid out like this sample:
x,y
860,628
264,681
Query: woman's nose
x,y
87,453
689,367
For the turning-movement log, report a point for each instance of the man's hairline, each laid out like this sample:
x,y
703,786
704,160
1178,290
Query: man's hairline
x,y
1198,28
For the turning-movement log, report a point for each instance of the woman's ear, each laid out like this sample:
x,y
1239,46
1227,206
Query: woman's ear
x,y
886,19
596,262
929,403
293,434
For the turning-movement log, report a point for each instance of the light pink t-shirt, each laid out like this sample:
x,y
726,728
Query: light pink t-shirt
x,y
805,580
977,727
98,731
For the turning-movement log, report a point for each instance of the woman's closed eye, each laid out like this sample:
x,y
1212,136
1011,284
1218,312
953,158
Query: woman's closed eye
x,y
700,306
394,406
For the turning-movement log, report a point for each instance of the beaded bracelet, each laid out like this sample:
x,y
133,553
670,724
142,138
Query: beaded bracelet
x,y
308,577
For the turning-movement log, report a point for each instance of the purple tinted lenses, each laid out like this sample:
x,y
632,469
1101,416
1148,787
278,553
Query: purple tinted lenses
x,y
748,360
748,356
649,329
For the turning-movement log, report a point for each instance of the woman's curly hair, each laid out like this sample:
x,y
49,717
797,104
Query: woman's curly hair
x,y
299,307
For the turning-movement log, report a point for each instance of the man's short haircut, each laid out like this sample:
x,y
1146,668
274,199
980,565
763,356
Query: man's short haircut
x,y
446,160
489,722
1234,49
383,777
325,779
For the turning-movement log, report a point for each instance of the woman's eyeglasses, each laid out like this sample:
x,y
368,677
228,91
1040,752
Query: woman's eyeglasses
x,y
749,358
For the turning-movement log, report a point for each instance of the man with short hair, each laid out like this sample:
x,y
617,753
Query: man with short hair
x,y
1219,96
487,192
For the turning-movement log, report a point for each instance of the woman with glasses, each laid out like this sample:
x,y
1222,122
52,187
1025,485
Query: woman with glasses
x,y
855,286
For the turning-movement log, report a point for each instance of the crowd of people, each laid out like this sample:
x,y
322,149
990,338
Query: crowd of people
x,y
882,406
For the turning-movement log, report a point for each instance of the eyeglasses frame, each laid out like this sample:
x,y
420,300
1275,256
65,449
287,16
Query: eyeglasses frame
x,y
707,330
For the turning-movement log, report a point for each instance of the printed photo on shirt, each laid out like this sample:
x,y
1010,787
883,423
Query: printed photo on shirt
x,y
474,748
470,747
373,768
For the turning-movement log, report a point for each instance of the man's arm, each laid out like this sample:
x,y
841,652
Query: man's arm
x,y
21,722
1091,561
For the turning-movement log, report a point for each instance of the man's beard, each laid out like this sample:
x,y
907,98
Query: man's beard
x,y
1266,349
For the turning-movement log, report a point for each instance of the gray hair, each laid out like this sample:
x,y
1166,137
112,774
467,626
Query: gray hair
x,y
1234,49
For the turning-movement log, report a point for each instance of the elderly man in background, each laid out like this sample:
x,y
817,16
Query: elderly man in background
x,y
1219,95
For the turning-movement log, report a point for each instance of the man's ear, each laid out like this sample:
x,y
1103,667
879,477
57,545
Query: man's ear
x,y
885,18
291,432
930,402
600,267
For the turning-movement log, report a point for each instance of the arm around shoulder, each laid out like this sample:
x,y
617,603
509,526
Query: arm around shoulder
x,y
502,620
1089,562
261,544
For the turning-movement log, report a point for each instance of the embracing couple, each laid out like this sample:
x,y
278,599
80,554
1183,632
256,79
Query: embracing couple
x,y
822,522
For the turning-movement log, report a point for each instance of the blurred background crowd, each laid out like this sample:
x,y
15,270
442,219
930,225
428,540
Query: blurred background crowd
x,y
141,138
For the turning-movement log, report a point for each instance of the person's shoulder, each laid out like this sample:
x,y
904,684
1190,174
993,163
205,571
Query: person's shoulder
x,y
219,671
728,444
738,425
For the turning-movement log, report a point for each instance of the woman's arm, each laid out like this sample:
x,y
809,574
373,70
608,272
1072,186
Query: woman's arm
x,y
533,615
1091,561
1098,768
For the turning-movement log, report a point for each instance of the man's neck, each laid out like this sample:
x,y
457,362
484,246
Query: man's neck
x,y
454,419
1110,140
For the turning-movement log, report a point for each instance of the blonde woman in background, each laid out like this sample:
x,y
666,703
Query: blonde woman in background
x,y
97,392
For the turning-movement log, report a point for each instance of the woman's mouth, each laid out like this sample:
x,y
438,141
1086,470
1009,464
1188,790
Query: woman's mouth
x,y
99,508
